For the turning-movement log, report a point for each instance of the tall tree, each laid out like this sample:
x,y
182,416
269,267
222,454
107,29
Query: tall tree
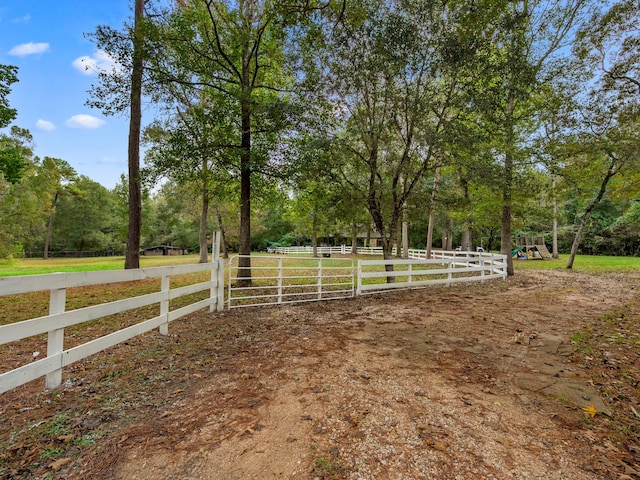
x,y
236,49
607,146
8,76
391,74
513,62
120,89
57,178
608,59
132,252
191,146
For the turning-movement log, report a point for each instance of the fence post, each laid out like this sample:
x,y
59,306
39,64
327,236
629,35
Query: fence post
x,y
482,268
55,338
164,304
359,289
320,279
280,280
230,279
410,270
450,272
220,302
216,284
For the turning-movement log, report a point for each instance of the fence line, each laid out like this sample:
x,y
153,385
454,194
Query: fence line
x,y
340,249
413,253
280,281
373,273
287,280
58,319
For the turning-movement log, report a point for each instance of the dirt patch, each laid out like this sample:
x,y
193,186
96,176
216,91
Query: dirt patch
x,y
476,381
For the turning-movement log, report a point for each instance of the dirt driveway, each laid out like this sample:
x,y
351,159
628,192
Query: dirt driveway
x,y
471,382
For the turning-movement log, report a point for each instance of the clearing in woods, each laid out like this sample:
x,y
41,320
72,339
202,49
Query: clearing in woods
x,y
532,377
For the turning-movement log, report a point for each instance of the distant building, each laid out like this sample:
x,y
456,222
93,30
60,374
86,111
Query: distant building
x,y
162,250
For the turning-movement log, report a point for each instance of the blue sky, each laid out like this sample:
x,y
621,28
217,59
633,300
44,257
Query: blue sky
x,y
46,41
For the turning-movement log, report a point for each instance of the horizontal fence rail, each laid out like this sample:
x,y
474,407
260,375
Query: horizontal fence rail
x,y
383,275
306,250
413,253
280,279
58,318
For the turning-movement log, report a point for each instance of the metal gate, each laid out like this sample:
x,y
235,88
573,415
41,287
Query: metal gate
x,y
290,279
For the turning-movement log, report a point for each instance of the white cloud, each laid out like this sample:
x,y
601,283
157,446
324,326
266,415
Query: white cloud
x,y
84,121
45,125
29,49
24,19
100,61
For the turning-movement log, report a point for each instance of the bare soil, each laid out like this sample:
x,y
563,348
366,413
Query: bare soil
x,y
535,377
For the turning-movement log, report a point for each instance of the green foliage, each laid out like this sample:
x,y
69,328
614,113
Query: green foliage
x,y
8,76
86,220
15,154
272,229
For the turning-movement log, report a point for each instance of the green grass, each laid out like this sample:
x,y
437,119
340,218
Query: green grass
x,y
36,266
583,263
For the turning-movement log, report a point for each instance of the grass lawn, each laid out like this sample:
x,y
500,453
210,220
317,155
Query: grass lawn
x,y
583,263
36,266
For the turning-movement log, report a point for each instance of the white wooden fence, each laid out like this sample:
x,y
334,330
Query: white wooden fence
x,y
55,322
306,250
279,279
346,250
373,275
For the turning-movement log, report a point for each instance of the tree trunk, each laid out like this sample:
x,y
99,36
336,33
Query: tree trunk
x,y
314,234
507,193
47,240
405,233
202,234
587,214
244,262
132,254
429,244
466,242
223,235
354,238
554,241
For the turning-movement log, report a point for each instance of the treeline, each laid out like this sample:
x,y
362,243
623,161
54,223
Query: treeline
x,y
52,209
436,124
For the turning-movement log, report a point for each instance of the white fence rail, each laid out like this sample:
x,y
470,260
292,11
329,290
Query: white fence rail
x,y
341,249
58,319
413,253
286,280
380,275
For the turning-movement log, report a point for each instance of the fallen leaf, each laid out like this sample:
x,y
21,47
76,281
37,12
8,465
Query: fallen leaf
x,y
590,410
59,463
66,438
